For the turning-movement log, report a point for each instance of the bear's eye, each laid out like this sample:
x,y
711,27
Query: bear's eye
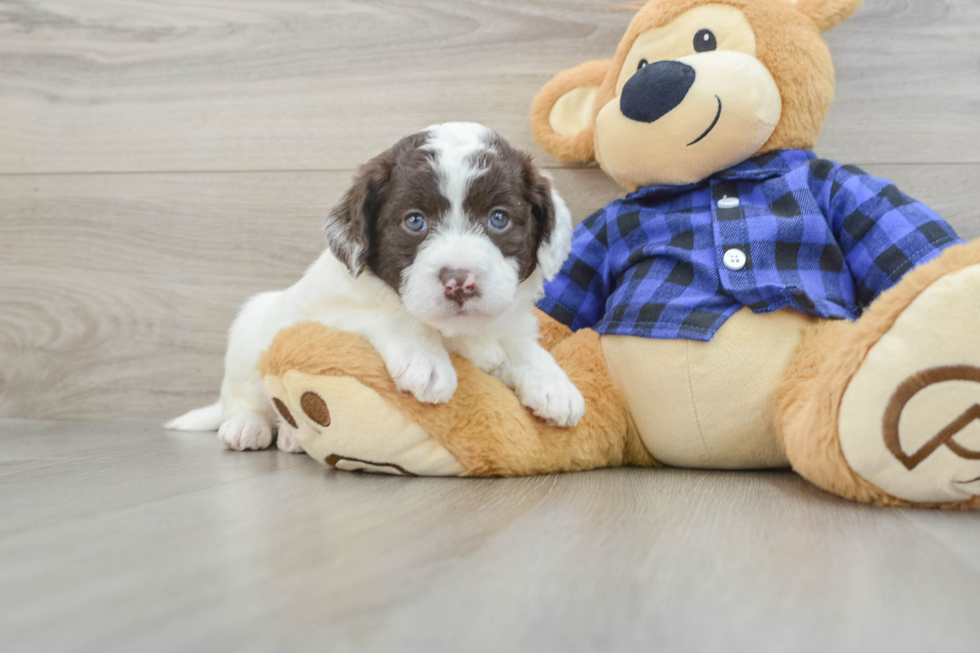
x,y
705,41
643,64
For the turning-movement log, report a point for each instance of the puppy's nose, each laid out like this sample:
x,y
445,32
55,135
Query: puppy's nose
x,y
655,90
458,285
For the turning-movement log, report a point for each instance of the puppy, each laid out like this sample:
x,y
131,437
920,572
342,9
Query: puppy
x,y
441,245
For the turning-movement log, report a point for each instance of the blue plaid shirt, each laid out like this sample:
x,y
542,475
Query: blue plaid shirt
x,y
784,229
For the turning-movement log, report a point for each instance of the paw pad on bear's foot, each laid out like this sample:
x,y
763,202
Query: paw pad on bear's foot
x,y
315,408
284,412
312,405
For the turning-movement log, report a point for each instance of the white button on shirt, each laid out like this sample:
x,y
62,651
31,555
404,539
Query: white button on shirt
x,y
728,203
734,259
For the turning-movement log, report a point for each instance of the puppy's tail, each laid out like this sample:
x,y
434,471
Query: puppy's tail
x,y
208,418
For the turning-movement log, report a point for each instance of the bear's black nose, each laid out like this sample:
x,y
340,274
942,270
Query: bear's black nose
x,y
655,90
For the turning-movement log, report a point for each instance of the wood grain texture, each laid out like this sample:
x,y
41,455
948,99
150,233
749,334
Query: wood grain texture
x,y
117,290
310,85
126,538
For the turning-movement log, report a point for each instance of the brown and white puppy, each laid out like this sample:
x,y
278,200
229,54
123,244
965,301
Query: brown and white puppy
x,y
442,244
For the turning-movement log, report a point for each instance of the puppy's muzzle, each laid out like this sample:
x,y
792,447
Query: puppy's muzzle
x,y
656,90
458,285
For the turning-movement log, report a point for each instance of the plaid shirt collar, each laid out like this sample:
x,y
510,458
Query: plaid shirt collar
x,y
758,168
796,231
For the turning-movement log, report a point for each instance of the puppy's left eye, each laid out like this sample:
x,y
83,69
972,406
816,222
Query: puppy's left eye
x,y
415,222
498,221
705,41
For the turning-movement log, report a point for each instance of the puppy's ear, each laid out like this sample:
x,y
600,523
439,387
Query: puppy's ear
x,y
351,224
553,220
563,112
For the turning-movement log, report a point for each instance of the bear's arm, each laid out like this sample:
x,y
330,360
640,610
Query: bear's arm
x,y
882,232
577,295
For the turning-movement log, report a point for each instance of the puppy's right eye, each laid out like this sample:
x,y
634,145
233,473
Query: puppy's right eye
x,y
643,64
415,222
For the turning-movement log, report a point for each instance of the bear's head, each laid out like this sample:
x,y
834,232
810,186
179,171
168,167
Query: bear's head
x,y
696,87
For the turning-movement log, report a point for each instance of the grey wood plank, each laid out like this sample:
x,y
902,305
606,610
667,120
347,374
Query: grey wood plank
x,y
959,535
136,539
309,85
116,291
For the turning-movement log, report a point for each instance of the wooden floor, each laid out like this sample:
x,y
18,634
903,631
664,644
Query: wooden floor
x,y
126,538
160,161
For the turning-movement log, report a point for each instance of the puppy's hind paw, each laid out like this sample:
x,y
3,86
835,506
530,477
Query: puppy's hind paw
x,y
286,439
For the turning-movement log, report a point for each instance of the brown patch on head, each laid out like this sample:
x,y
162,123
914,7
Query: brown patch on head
x,y
315,408
413,188
511,184
384,190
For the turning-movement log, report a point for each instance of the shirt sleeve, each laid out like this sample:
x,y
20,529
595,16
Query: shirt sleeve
x,y
882,232
577,296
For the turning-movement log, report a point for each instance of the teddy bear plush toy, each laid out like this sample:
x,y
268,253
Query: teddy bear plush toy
x,y
747,305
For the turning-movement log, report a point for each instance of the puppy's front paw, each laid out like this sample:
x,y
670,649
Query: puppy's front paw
x,y
552,397
286,439
427,375
245,431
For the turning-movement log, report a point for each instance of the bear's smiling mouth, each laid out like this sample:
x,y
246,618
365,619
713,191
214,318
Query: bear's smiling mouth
x,y
712,126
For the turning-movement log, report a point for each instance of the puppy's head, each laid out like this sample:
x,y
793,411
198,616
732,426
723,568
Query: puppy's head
x,y
455,220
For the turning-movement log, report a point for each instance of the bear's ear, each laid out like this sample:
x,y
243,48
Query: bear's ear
x,y
828,14
563,113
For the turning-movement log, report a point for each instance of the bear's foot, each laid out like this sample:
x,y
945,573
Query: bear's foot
x,y
343,423
887,410
910,417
